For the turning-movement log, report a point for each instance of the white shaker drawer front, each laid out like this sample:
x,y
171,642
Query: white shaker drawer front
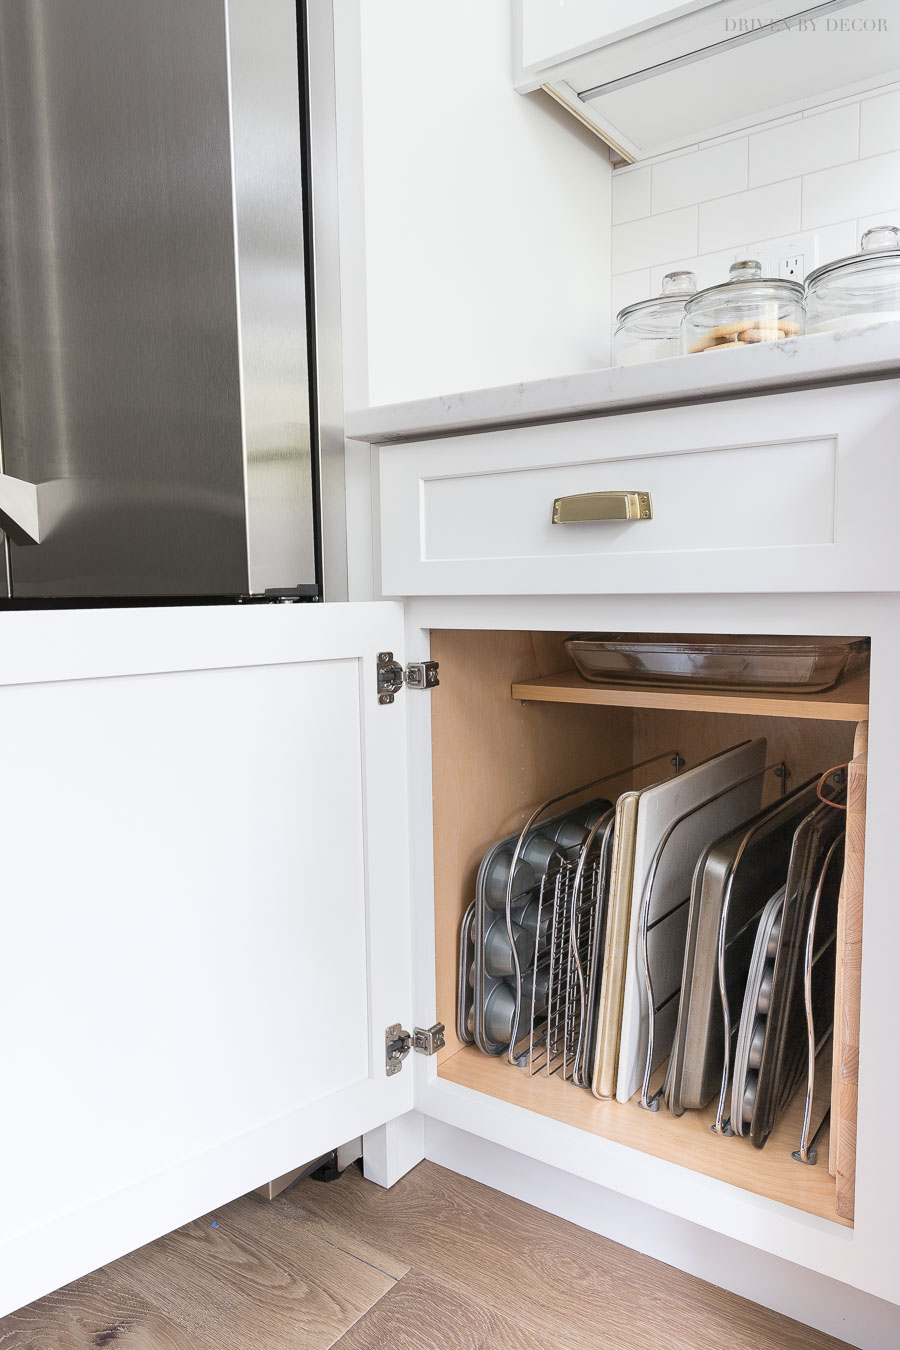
x,y
788,492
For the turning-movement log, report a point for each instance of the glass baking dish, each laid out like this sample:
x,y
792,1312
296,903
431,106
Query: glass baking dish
x,y
773,664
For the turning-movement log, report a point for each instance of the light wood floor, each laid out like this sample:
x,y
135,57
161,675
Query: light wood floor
x,y
436,1263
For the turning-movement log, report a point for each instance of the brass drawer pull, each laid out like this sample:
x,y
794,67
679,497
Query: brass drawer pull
x,y
602,506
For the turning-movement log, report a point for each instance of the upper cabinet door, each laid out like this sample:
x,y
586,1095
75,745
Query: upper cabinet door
x,y
652,77
557,32
204,861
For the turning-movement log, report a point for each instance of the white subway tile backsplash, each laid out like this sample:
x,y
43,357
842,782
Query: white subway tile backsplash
x,y
630,196
713,172
861,187
630,287
803,146
641,243
857,97
657,159
832,241
816,246
807,184
743,131
879,128
751,214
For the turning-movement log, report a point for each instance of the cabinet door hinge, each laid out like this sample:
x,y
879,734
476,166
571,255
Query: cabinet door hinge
x,y
398,1043
392,676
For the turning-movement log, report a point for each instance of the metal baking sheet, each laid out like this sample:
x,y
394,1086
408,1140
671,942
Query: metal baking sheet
x,y
612,976
735,875
675,822
784,1049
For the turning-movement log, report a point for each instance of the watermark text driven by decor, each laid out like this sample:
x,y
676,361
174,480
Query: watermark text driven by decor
x,y
797,24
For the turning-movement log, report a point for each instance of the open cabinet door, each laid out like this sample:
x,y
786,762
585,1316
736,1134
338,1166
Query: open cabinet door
x,y
204,914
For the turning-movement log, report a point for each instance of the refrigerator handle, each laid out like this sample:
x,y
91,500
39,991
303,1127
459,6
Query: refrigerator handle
x,y
19,510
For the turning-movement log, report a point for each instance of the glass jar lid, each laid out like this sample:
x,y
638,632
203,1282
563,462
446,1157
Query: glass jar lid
x,y
746,285
875,268
677,287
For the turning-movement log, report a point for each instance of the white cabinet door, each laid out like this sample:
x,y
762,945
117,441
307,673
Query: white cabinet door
x,y
554,31
204,874
652,76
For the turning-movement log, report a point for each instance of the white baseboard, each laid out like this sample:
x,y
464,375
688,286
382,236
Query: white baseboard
x,y
837,1309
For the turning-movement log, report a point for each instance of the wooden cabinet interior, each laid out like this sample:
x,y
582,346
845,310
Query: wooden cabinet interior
x,y
845,1073
496,756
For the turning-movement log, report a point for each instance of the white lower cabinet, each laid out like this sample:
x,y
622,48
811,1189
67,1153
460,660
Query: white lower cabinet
x,y
202,889
230,865
485,759
778,493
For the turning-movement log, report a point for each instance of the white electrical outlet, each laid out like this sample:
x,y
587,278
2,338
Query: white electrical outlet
x,y
791,268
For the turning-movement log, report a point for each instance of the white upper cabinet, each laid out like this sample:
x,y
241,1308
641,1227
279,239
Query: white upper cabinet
x,y
652,77
555,30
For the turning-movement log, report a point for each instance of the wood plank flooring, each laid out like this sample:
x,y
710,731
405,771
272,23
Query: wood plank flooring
x,y
437,1263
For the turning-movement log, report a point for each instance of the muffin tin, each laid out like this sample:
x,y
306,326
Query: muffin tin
x,y
527,943
757,1002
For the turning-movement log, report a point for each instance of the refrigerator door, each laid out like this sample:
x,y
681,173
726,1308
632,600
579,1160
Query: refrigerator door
x,y
153,364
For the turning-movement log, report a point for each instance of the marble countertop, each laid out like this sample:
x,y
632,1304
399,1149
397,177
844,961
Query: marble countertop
x,y
797,363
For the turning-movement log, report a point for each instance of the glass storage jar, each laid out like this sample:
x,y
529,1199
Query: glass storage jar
x,y
743,311
651,329
857,291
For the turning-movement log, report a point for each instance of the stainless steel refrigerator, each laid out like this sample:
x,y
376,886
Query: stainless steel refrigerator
x,y
154,346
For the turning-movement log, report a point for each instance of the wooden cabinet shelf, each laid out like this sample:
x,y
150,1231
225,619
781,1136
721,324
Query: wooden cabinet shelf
x,y
496,756
848,702
686,1140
